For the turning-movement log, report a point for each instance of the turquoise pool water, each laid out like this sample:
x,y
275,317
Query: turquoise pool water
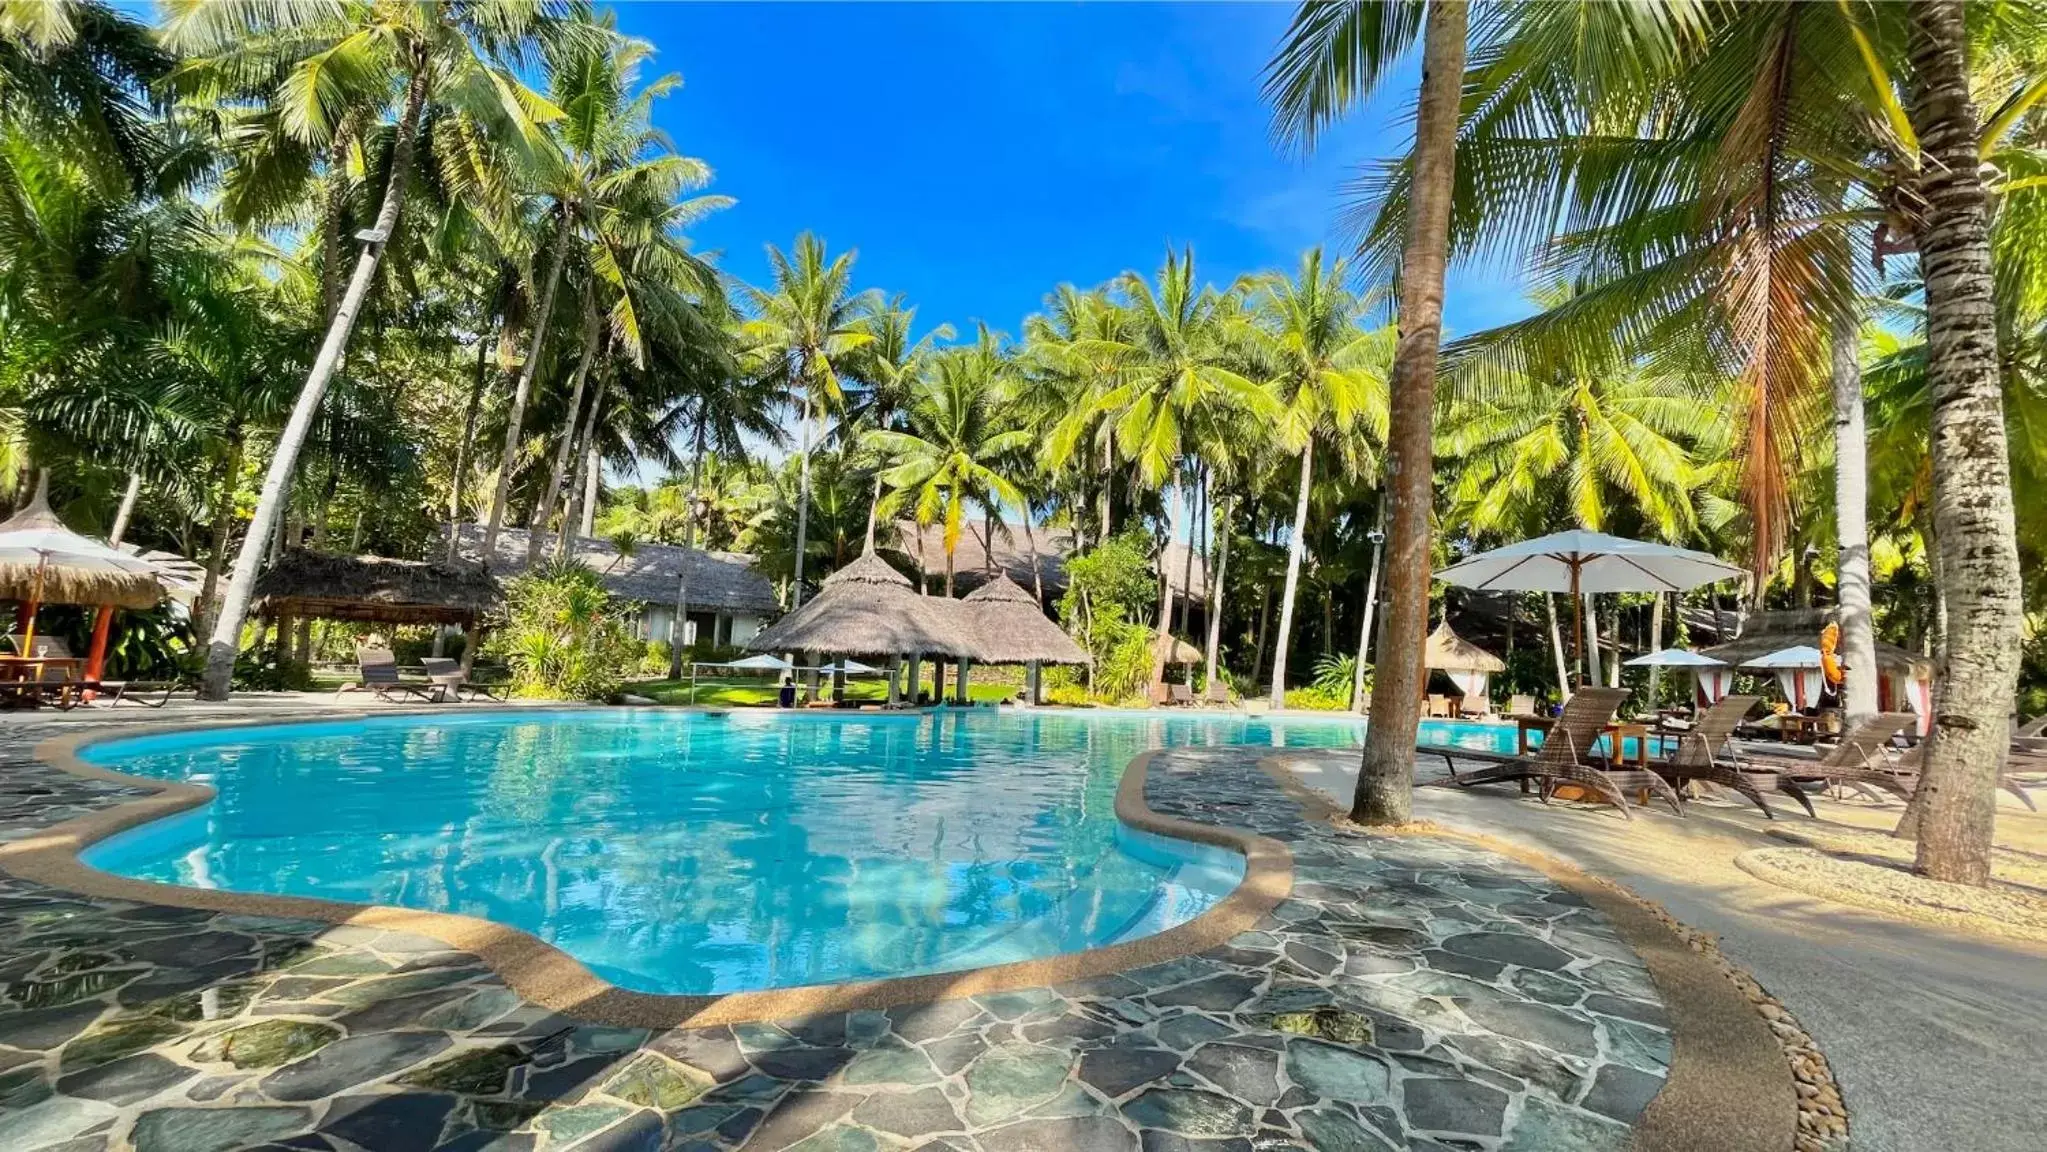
x,y
688,852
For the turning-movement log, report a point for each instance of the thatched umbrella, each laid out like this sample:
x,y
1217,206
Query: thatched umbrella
x,y
1177,651
43,562
1009,627
868,609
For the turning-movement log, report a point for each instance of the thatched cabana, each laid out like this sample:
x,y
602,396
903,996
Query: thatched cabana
x,y
1904,677
1009,627
375,589
1469,666
868,608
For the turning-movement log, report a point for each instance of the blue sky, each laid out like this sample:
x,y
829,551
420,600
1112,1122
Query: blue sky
x,y
979,154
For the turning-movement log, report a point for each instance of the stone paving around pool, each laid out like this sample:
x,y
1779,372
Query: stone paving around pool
x,y
1414,993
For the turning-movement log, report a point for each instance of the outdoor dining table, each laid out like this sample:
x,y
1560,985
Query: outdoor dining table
x,y
33,667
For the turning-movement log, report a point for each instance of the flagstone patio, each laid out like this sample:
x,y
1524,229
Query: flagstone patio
x,y
1414,993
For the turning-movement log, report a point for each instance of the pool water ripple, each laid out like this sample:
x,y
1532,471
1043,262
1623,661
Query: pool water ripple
x,y
685,852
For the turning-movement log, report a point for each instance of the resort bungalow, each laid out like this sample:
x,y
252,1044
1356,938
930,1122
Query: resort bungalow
x,y
729,599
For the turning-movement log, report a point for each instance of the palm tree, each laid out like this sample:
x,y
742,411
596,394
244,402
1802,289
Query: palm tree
x,y
457,52
1976,529
891,366
611,190
807,329
1332,58
1323,368
1079,345
958,448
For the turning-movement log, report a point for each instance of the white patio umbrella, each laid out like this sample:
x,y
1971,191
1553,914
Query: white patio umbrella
x,y
1798,672
850,667
1578,562
762,663
1710,677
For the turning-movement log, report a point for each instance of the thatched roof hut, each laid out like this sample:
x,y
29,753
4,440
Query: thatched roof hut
x,y
1767,632
42,561
649,574
375,589
1450,652
1178,651
1010,628
869,609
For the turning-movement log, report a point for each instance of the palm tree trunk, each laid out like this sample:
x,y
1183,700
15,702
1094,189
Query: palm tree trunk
x,y
330,226
948,573
1589,629
1215,599
221,650
1187,560
1037,569
1972,499
1851,519
1655,644
126,511
1357,679
677,635
1556,644
523,391
460,474
873,510
1385,793
564,451
1108,480
582,507
1294,547
803,514
223,521
1264,618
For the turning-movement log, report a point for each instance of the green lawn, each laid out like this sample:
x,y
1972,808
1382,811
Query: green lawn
x,y
756,691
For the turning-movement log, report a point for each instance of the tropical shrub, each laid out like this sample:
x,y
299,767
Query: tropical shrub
x,y
562,639
1316,699
1334,674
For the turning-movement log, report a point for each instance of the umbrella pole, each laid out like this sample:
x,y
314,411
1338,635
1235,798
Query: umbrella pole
x,y
1577,631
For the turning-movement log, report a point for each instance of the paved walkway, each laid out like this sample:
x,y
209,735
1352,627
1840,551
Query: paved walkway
x,y
1415,994
1937,1038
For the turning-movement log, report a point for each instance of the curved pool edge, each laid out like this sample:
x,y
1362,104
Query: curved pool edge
x,y
545,975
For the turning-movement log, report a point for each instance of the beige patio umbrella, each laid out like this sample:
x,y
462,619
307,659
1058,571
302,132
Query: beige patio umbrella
x,y
43,562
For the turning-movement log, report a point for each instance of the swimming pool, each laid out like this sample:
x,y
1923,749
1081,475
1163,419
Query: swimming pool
x,y
691,852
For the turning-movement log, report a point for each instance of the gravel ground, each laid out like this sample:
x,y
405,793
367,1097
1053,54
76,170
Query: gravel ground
x,y
2003,909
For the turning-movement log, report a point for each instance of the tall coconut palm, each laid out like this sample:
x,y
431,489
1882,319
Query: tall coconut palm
x,y
1331,59
458,53
958,447
1323,370
1078,346
611,188
808,328
1975,523
890,367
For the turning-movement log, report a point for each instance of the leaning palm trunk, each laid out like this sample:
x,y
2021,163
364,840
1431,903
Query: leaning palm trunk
x,y
223,519
577,516
523,392
1972,499
126,511
680,632
1385,793
227,631
565,451
1851,519
1364,661
1215,600
1295,546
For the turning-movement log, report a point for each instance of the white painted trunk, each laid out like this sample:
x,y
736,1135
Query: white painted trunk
x,y
1294,548
227,629
1215,601
565,450
1364,661
1851,518
127,509
1556,646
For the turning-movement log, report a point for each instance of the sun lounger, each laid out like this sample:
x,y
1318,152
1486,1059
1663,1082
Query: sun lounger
x,y
1179,695
1564,757
1520,705
380,676
1699,755
1438,707
2031,729
448,675
1862,760
1217,693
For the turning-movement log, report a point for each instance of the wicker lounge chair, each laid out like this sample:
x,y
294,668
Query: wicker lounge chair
x,y
1861,761
1518,705
380,675
1438,706
1699,755
448,674
1563,757
2031,729
1179,695
1217,693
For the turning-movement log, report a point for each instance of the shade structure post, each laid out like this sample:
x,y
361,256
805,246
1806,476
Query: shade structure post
x,y
895,679
810,678
960,681
916,687
1031,682
96,656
